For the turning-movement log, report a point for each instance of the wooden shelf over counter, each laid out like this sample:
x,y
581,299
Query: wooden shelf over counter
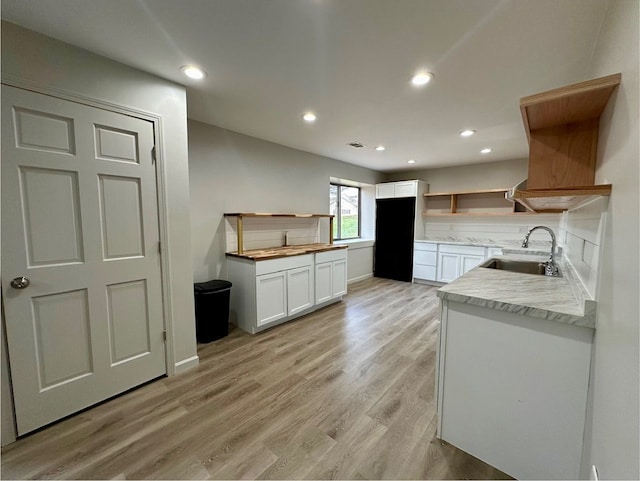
x,y
558,200
478,214
285,251
268,214
241,215
487,202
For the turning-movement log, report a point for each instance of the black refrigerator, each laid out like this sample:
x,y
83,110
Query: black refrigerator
x,y
395,223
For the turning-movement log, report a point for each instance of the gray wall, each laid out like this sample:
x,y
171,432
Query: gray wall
x,y
613,422
231,172
43,62
487,175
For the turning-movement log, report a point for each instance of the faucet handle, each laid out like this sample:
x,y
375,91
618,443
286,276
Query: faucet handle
x,y
550,268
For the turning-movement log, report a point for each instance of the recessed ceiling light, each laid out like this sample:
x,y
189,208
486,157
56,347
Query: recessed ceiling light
x,y
421,78
411,161
485,151
309,117
193,72
380,148
467,133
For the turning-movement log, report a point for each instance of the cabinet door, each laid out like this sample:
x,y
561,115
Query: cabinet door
x,y
271,297
324,276
299,289
468,262
339,278
448,266
385,191
405,189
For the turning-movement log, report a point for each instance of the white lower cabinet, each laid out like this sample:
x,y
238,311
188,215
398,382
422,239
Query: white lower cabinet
x,y
269,292
512,389
271,297
453,261
331,275
425,256
299,289
324,273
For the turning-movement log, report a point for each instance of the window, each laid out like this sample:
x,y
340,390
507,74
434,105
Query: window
x,y
344,204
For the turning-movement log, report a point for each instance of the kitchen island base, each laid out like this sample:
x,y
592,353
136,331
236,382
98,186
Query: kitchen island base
x,y
512,389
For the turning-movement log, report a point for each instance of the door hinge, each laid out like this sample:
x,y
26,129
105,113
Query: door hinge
x,y
159,247
164,336
153,154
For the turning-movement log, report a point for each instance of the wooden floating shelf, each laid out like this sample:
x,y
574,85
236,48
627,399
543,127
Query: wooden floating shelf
x,y
486,202
268,214
478,214
241,215
558,200
468,192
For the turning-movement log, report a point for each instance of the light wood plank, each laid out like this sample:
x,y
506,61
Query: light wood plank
x,y
343,393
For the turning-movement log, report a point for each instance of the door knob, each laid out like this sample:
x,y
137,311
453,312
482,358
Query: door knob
x,y
20,282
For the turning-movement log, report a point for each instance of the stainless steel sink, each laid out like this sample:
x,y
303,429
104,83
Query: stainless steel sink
x,y
522,267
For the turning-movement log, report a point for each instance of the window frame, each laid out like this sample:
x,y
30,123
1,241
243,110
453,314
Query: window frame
x,y
338,215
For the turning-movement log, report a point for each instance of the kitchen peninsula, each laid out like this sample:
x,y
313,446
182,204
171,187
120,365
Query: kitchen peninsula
x,y
525,342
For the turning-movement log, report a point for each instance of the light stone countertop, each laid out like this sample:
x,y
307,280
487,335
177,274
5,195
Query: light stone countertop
x,y
513,246
561,299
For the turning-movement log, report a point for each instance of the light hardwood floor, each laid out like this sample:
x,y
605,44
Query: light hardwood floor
x,y
344,393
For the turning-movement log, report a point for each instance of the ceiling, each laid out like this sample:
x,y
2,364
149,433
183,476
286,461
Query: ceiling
x,y
349,61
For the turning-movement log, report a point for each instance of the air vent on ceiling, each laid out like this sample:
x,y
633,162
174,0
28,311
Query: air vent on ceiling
x,y
356,145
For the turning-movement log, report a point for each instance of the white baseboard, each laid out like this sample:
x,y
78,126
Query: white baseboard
x,y
360,278
186,364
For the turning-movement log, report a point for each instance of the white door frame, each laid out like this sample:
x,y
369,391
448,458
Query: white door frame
x,y
161,189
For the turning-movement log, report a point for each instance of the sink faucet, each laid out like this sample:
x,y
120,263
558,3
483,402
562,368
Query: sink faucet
x,y
550,267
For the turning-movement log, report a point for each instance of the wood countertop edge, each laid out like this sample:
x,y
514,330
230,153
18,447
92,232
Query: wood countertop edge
x,y
264,257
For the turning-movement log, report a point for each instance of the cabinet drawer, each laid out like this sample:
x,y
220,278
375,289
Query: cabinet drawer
x,y
424,257
329,256
457,249
283,263
424,272
425,246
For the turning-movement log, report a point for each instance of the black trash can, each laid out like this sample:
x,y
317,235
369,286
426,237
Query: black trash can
x,y
212,309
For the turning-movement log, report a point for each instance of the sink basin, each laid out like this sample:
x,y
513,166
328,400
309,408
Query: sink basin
x,y
522,267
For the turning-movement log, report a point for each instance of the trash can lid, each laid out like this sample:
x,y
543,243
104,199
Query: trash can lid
x,y
211,286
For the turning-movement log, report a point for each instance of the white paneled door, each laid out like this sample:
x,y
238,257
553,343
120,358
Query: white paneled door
x,y
81,266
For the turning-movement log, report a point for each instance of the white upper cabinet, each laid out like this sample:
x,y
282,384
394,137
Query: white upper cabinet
x,y
407,188
385,191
